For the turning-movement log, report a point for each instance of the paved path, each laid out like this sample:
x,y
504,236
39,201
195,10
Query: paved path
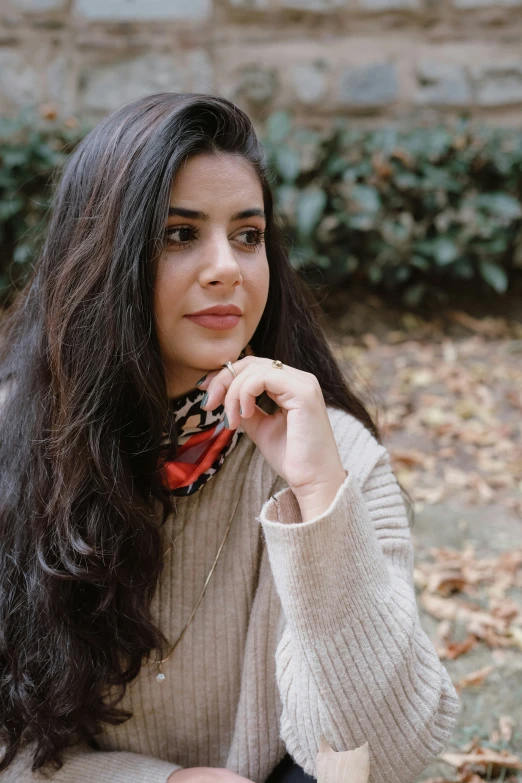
x,y
489,530
450,412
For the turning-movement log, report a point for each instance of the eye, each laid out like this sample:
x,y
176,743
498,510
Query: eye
x,y
254,237
181,236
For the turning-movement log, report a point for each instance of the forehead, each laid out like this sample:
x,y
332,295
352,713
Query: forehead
x,y
223,177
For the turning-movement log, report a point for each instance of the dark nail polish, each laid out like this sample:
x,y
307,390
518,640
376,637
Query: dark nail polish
x,y
240,411
201,380
226,422
204,399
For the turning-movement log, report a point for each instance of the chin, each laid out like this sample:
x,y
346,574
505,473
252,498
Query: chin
x,y
217,358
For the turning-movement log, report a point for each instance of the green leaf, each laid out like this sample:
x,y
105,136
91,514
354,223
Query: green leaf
x,y
310,208
494,275
366,198
286,198
420,262
288,164
297,259
278,127
14,157
323,262
10,207
402,273
335,166
22,253
414,294
362,222
446,251
375,274
500,204
463,268
442,249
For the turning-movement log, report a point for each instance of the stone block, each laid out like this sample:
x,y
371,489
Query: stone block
x,y
389,5
485,3
198,71
498,83
109,86
254,4
257,84
442,84
321,6
372,85
61,83
19,81
38,5
310,81
130,10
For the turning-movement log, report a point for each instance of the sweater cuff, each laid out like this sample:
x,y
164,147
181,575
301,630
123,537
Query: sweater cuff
x,y
116,767
329,568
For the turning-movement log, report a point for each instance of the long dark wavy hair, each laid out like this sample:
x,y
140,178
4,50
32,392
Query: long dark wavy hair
x,y
85,404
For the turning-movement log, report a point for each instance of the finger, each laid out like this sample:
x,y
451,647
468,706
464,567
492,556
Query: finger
x,y
250,424
218,384
204,382
241,395
205,379
288,390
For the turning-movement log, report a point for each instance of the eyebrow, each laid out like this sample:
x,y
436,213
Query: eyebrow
x,y
194,214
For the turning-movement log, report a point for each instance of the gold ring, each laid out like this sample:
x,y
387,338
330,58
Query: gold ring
x,y
229,366
276,363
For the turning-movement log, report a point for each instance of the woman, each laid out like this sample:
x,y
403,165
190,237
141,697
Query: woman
x,y
206,559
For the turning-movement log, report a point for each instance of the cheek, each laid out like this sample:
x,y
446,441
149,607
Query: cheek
x,y
264,284
167,293
259,282
169,290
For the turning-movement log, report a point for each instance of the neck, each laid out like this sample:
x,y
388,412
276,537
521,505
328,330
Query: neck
x,y
184,383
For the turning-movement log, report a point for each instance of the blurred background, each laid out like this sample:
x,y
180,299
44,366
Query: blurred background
x,y
394,132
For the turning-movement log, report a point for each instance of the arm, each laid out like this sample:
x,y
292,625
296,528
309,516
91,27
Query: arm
x,y
353,662
85,765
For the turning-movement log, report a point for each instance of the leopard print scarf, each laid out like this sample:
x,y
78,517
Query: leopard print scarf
x,y
203,442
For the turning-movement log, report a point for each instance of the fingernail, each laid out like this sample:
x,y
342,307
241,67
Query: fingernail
x,y
201,380
204,399
226,422
240,411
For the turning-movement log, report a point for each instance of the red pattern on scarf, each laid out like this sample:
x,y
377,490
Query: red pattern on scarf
x,y
184,470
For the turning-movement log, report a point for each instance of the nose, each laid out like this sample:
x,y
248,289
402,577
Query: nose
x,y
222,266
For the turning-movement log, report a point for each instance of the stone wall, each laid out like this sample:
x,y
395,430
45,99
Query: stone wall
x,y
376,61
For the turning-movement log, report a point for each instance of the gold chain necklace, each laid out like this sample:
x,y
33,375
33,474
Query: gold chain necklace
x,y
160,677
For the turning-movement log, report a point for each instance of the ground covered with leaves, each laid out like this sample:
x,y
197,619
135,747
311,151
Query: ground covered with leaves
x,y
446,391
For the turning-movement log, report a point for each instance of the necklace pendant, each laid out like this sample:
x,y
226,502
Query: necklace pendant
x,y
160,677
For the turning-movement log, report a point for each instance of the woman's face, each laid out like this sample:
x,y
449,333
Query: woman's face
x,y
214,254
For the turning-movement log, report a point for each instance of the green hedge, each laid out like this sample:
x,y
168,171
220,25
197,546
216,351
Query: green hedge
x,y
408,210
32,152
412,210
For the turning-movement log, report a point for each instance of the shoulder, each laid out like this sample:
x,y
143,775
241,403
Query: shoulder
x,y
358,448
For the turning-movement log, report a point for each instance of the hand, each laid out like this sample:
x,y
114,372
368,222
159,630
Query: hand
x,y
206,775
297,441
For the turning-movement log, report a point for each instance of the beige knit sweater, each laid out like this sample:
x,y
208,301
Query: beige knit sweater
x,y
305,629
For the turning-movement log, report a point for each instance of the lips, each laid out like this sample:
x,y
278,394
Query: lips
x,y
216,322
224,309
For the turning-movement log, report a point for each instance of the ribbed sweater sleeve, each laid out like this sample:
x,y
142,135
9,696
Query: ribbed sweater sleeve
x,y
353,663
84,765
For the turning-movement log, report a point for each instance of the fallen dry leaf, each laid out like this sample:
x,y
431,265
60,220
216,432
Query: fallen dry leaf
x,y
506,724
453,650
492,759
474,678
